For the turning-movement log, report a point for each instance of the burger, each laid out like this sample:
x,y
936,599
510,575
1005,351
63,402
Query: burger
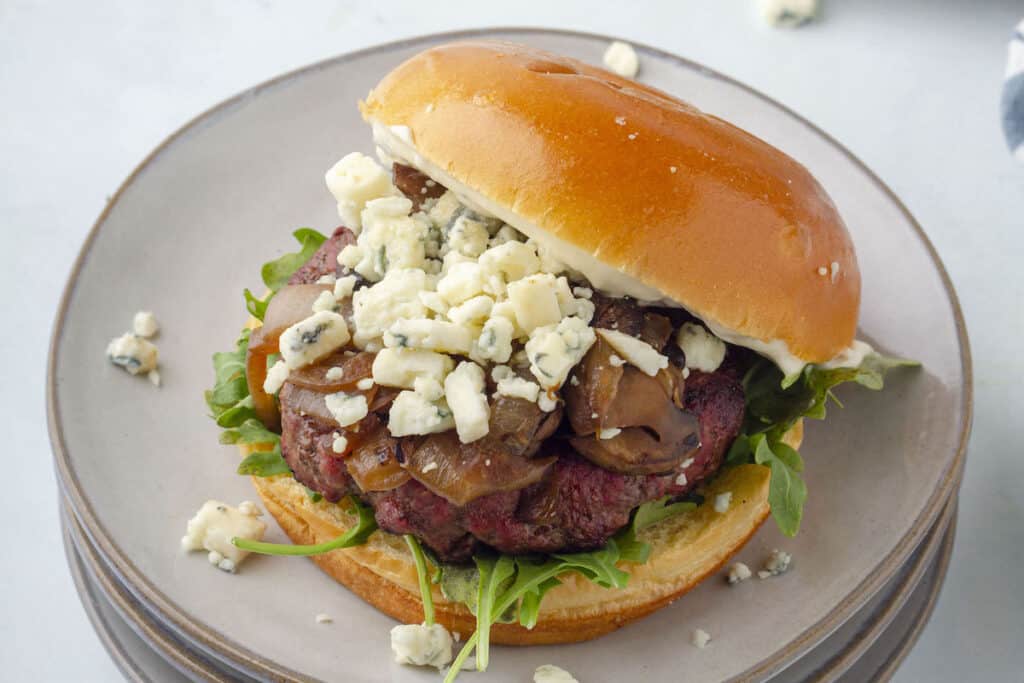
x,y
551,371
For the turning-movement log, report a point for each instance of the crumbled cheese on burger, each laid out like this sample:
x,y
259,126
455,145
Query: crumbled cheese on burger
x,y
635,351
703,350
412,413
278,374
447,281
400,367
464,390
722,501
309,340
347,409
553,350
354,181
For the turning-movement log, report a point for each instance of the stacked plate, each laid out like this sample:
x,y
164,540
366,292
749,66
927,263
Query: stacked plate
x,y
188,230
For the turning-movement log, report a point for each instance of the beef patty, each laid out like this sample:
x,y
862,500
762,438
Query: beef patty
x,y
576,506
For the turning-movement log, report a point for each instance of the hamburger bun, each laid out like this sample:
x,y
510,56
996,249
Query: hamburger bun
x,y
640,192
685,549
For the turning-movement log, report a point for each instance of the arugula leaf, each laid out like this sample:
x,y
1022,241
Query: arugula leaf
x,y
494,573
787,492
264,463
250,431
421,574
257,307
276,273
366,524
774,404
229,389
508,583
630,547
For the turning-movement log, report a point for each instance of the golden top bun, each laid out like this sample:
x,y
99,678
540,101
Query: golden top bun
x,y
602,167
684,550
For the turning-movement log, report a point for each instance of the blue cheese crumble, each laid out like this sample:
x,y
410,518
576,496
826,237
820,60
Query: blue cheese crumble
x,y
549,673
422,645
213,527
309,340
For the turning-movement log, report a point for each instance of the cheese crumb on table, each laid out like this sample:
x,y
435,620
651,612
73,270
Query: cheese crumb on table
x,y
700,638
777,564
144,324
213,527
324,619
549,673
738,572
621,58
788,13
421,645
133,353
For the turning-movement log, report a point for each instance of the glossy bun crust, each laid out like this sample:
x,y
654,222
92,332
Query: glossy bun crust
x,y
714,218
684,550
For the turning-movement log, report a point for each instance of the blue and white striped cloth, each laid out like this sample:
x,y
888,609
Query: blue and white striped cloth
x,y
1013,94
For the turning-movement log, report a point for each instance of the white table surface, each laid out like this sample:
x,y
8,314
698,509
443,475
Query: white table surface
x,y
912,88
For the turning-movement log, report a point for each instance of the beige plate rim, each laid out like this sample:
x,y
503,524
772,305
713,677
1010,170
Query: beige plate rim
x,y
886,568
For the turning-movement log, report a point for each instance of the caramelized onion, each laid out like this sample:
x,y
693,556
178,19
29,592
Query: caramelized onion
x,y
464,472
372,457
308,403
353,368
290,305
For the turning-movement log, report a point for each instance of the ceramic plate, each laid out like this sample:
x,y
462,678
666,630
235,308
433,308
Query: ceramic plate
x,y
189,229
867,643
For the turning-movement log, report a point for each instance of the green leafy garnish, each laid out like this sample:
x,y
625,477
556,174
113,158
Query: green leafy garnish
x,y
420,561
257,307
774,404
508,583
264,463
276,273
357,535
229,400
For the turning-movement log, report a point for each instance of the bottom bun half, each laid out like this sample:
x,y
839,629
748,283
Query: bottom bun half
x,y
685,549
